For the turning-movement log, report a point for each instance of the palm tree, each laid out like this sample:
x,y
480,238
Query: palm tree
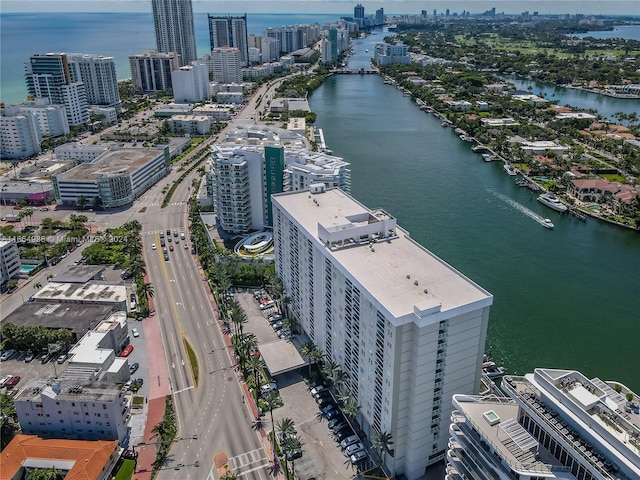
x,y
255,364
291,324
146,289
286,428
272,400
350,408
308,349
37,286
289,446
383,442
329,368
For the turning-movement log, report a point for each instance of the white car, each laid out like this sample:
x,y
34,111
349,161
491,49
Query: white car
x,y
4,380
134,332
269,387
153,246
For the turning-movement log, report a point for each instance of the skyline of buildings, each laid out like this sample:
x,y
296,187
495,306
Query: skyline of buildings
x,y
173,25
229,31
151,70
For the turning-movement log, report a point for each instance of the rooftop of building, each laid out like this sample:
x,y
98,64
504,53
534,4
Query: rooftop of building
x,y
191,118
73,391
113,161
405,278
77,317
587,411
25,187
78,274
260,135
5,242
80,459
88,349
92,291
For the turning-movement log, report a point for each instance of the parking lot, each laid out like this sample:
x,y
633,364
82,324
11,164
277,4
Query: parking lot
x,y
322,457
28,372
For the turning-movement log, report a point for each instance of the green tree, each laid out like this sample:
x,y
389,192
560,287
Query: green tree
x,y
97,203
383,442
81,201
45,474
290,445
272,400
8,420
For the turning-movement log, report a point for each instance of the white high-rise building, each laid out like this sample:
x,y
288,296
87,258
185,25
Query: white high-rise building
x,y
387,54
557,424
49,75
9,260
52,119
325,46
191,83
151,71
98,73
407,329
270,49
227,65
20,134
173,22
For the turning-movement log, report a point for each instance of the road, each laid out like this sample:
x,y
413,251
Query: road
x,y
212,414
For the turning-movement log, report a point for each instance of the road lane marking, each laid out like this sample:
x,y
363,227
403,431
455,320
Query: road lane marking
x,y
183,390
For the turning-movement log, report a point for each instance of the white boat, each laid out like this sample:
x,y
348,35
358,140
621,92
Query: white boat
x,y
510,169
551,201
367,50
546,223
487,157
491,370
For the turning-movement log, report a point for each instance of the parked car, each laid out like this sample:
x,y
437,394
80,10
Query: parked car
x,y
62,357
29,358
285,334
274,317
133,368
358,457
353,448
269,387
327,408
12,382
266,305
339,425
277,325
135,332
293,454
193,250
4,380
344,433
349,441
331,414
317,389
6,355
126,351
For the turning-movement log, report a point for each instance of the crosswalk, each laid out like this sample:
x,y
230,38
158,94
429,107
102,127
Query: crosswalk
x,y
248,461
156,232
159,204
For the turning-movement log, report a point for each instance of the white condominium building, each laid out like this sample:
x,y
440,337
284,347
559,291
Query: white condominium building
x,y
20,134
52,119
74,410
227,65
117,177
386,54
558,424
9,260
242,178
191,83
98,73
407,329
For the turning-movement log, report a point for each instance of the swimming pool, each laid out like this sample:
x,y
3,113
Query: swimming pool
x,y
27,268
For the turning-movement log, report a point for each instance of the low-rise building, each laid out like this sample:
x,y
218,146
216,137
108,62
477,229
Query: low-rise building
x,y
283,105
87,293
214,111
74,410
190,124
9,260
542,146
34,192
80,152
117,177
72,459
596,189
555,424
229,97
498,122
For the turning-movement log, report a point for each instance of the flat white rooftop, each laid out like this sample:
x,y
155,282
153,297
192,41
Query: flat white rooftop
x,y
88,292
399,273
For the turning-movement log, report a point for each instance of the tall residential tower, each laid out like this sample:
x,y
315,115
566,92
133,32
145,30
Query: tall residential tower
x,y
173,22
228,31
407,329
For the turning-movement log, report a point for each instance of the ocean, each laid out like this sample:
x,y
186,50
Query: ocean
x,y
112,34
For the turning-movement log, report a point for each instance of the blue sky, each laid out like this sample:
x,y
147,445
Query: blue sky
x,y
595,7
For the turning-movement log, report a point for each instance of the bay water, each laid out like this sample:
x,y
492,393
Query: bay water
x,y
563,298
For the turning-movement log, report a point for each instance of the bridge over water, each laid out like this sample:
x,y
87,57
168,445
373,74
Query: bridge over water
x,y
355,71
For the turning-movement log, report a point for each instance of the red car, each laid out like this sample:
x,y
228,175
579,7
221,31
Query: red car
x,y
12,382
171,247
17,207
126,351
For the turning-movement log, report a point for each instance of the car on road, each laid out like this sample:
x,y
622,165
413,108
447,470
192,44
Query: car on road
x,y
182,236
169,239
193,250
168,233
186,246
269,387
44,209
153,246
61,358
171,247
126,351
12,382
166,257
358,457
133,368
135,332
175,233
352,449
6,355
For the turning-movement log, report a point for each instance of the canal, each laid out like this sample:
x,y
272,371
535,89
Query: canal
x,y
563,298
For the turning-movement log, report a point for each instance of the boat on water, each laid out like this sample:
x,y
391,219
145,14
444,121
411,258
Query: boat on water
x,y
551,201
510,169
479,148
366,50
490,369
546,223
487,157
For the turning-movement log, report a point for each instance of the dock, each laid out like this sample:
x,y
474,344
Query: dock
x,y
576,213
